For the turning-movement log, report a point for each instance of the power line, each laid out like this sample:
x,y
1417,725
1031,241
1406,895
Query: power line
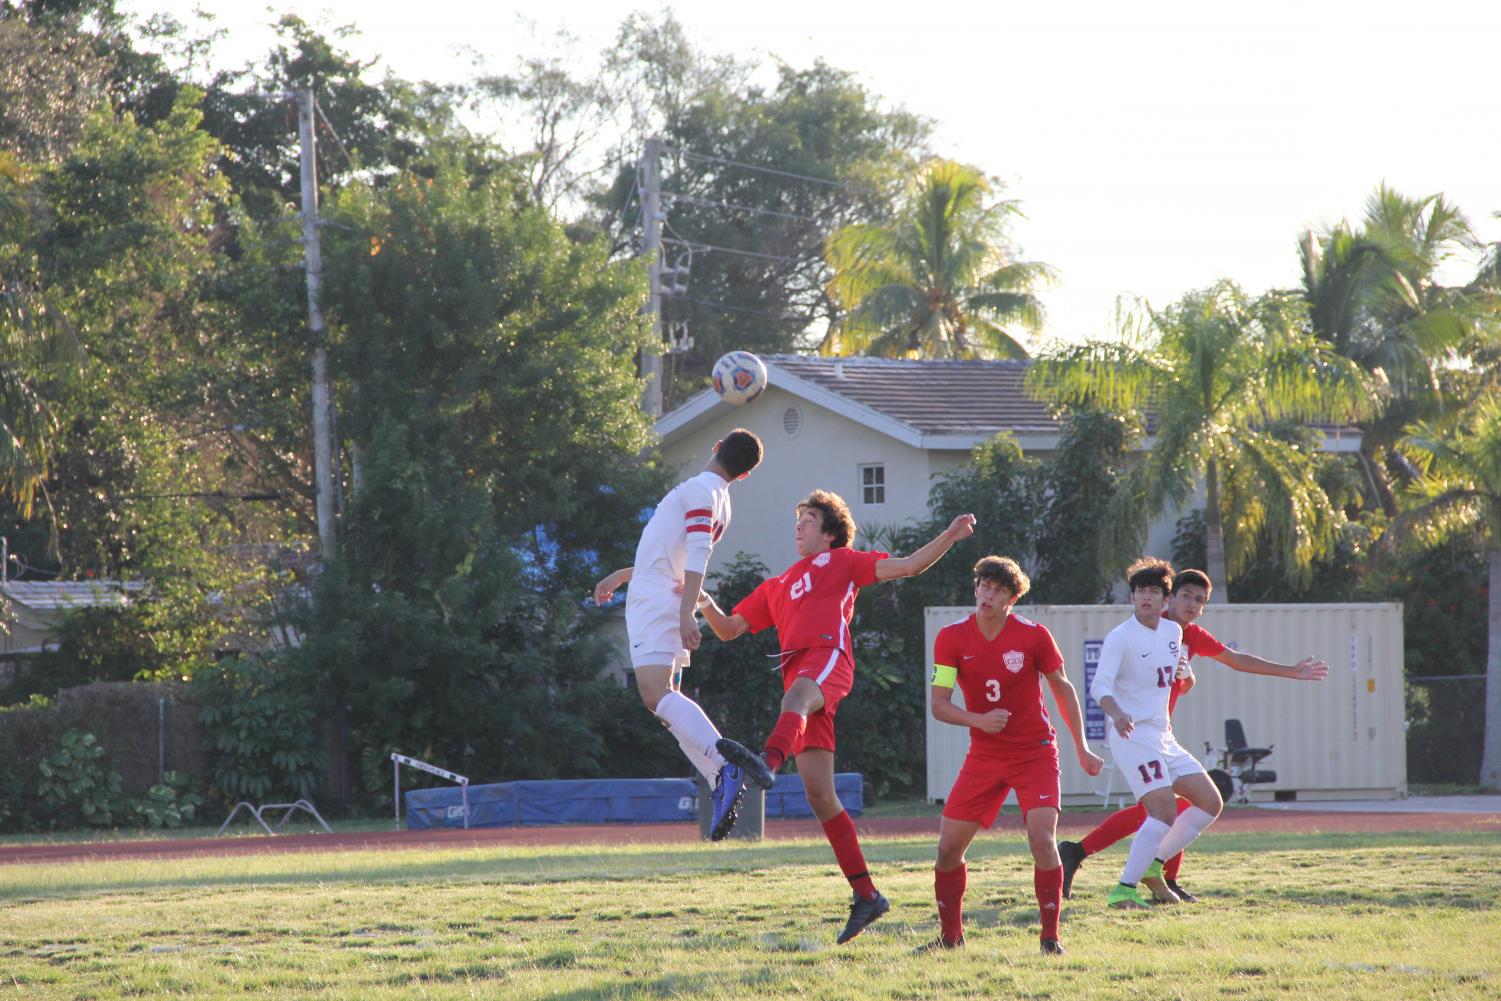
x,y
711,203
782,317
693,245
765,170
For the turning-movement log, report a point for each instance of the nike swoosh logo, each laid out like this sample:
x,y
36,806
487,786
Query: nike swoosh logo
x,y
1146,655
1048,796
969,656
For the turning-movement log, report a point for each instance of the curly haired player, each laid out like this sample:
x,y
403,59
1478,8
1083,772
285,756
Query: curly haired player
x,y
811,605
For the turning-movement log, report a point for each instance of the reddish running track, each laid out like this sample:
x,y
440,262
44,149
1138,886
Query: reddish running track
x,y
1233,821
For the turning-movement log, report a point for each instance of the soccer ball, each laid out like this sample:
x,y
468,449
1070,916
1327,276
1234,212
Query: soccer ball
x,y
739,377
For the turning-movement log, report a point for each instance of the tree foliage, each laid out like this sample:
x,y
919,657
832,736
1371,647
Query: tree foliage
x,y
940,280
1217,369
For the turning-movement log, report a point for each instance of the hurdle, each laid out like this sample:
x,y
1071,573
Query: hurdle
x,y
397,760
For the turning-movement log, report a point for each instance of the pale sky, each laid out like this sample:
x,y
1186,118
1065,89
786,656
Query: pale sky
x,y
1154,146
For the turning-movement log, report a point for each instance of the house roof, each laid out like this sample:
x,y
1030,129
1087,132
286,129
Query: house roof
x,y
928,404
54,595
935,397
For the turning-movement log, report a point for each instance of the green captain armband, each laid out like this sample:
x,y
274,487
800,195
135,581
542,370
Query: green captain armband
x,y
945,676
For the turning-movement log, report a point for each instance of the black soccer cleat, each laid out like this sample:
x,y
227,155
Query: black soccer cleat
x,y
755,766
1072,854
1052,947
1183,895
939,944
729,789
862,913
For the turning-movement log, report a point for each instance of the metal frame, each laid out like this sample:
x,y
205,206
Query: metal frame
x,y
397,760
256,811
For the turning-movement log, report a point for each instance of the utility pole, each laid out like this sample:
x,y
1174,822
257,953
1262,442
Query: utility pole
x,y
323,464
651,212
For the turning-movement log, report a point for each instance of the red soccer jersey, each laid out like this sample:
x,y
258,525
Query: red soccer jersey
x,y
812,603
1197,642
1003,673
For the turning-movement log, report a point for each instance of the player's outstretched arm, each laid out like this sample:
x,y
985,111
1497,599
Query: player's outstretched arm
x,y
961,527
1067,700
726,627
605,589
1307,669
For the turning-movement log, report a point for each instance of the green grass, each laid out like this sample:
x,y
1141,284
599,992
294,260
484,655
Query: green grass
x,y
1331,917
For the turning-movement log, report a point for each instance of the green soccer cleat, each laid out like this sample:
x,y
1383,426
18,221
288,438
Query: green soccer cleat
x,y
1152,880
1126,898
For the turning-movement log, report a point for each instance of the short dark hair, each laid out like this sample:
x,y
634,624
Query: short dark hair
x,y
1197,578
739,452
1003,571
1149,571
837,520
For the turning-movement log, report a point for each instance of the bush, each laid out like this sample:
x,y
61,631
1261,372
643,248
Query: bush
x,y
173,802
75,784
262,730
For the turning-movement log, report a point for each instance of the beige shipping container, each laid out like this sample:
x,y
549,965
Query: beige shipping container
x,y
1341,738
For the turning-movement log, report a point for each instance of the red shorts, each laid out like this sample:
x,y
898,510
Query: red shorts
x,y
833,670
984,781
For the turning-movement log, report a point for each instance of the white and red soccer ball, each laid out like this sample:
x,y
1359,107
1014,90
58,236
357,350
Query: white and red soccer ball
x,y
739,377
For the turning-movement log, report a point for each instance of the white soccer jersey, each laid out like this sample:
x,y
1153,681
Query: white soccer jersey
x,y
1136,667
683,529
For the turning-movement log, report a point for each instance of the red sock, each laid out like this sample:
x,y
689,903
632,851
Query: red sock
x,y
840,830
1049,886
784,737
948,888
1171,867
1120,824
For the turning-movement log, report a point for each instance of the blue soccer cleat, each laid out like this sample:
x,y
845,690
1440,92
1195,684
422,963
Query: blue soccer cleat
x,y
729,789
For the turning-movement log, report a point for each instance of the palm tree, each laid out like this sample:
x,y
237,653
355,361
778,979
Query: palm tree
x,y
1216,372
1461,488
33,337
938,281
1373,295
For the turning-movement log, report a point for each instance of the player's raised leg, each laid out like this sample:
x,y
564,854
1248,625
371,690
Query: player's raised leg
x,y
698,738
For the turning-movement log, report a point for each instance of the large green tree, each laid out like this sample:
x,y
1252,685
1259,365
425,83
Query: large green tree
x,y
941,280
496,412
1216,371
1461,490
1374,293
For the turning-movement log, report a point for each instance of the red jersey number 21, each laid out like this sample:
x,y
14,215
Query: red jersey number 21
x,y
801,586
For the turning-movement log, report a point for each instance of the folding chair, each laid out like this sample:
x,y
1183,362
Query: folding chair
x,y
1240,761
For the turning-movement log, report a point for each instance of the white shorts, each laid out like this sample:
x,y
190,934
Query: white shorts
x,y
1151,758
651,622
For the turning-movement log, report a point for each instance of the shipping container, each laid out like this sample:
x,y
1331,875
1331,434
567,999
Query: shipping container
x,y
1341,738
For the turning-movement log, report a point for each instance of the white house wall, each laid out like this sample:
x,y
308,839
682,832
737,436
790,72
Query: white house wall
x,y
1340,738
826,452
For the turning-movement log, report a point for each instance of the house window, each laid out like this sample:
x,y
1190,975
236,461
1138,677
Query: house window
x,y
873,483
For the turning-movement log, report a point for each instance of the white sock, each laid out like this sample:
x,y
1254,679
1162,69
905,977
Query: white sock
x,y
695,734
1189,825
1143,849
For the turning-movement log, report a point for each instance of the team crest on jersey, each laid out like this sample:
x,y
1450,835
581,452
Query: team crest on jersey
x,y
822,559
1014,659
1172,647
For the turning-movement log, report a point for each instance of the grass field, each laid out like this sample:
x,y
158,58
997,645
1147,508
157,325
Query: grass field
x,y
1285,916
